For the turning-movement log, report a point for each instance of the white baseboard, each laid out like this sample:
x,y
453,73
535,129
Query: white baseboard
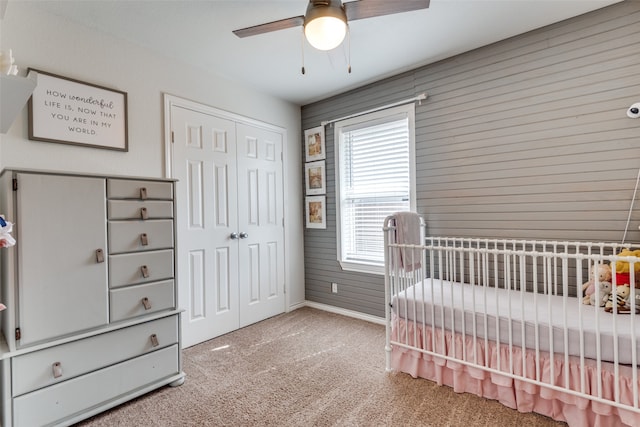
x,y
297,306
342,311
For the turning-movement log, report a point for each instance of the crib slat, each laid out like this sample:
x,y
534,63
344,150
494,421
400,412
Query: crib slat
x,y
580,326
552,366
523,281
565,293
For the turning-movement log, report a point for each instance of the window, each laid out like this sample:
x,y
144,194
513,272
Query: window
x,y
375,177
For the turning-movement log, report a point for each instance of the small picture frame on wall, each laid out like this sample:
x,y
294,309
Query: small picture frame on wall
x,y
316,211
314,144
315,177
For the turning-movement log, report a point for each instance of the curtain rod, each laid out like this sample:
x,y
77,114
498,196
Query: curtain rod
x,y
420,97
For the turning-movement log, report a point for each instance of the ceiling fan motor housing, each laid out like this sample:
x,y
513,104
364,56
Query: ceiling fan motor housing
x,y
325,23
324,8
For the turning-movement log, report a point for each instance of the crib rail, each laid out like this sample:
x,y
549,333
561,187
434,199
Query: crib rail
x,y
514,308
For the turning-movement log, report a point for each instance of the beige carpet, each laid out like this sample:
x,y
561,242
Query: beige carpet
x,y
305,368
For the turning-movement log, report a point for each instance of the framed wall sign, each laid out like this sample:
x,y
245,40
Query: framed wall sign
x,y
316,211
315,177
69,111
314,144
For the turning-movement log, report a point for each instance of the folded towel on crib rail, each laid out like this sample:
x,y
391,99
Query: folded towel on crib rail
x,y
407,233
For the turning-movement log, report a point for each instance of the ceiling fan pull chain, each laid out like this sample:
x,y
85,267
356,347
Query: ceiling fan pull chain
x,y
349,47
302,49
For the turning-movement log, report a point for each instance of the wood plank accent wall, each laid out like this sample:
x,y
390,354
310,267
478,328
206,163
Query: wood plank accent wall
x,y
525,138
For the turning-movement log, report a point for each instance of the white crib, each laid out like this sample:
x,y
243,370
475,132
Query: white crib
x,y
504,319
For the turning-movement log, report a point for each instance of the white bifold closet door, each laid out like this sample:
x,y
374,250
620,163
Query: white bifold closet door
x,y
230,230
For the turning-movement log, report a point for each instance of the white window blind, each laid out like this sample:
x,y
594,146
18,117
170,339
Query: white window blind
x,y
374,181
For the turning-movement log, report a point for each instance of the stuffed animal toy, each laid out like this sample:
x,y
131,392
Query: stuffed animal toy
x,y
6,239
623,275
619,300
603,272
603,295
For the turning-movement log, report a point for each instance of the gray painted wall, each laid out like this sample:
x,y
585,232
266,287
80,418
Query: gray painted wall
x,y
525,138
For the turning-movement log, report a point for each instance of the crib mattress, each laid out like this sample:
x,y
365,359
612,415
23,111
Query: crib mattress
x,y
502,313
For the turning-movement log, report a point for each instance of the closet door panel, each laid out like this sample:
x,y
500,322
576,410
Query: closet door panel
x,y
252,267
229,203
260,217
62,272
204,164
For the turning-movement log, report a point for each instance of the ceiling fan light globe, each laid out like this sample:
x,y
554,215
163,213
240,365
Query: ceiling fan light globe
x,y
325,32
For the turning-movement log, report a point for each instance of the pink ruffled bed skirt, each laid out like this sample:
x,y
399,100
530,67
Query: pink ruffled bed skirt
x,y
516,394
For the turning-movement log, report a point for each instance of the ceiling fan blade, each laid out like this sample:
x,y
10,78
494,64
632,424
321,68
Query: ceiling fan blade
x,y
270,26
369,8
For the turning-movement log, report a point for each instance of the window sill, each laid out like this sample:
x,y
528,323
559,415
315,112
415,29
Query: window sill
x,y
359,267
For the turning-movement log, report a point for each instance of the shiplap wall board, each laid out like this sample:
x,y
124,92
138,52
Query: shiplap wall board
x,y
525,138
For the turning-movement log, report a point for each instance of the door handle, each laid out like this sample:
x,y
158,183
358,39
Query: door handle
x,y
233,236
244,235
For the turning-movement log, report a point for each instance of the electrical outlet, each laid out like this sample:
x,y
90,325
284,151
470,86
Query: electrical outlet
x,y
334,288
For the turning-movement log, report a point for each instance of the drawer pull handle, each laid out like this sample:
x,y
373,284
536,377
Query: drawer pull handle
x,y
145,271
143,213
146,303
144,240
57,369
154,340
99,256
143,193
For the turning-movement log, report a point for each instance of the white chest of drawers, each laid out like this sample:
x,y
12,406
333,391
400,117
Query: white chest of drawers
x,y
92,318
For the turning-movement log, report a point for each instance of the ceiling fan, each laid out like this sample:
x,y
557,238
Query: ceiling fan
x,y
325,22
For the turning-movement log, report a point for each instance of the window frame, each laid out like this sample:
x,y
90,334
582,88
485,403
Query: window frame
x,y
377,117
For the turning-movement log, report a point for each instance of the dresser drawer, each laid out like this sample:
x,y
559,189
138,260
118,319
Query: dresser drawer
x,y
130,302
139,209
35,370
65,399
140,267
131,236
132,189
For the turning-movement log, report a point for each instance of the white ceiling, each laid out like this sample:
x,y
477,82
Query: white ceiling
x,y
199,33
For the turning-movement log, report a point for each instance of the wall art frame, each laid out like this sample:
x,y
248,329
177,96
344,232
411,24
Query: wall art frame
x,y
316,211
314,145
315,178
70,111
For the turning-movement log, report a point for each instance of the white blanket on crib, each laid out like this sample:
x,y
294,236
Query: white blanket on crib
x,y
520,312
